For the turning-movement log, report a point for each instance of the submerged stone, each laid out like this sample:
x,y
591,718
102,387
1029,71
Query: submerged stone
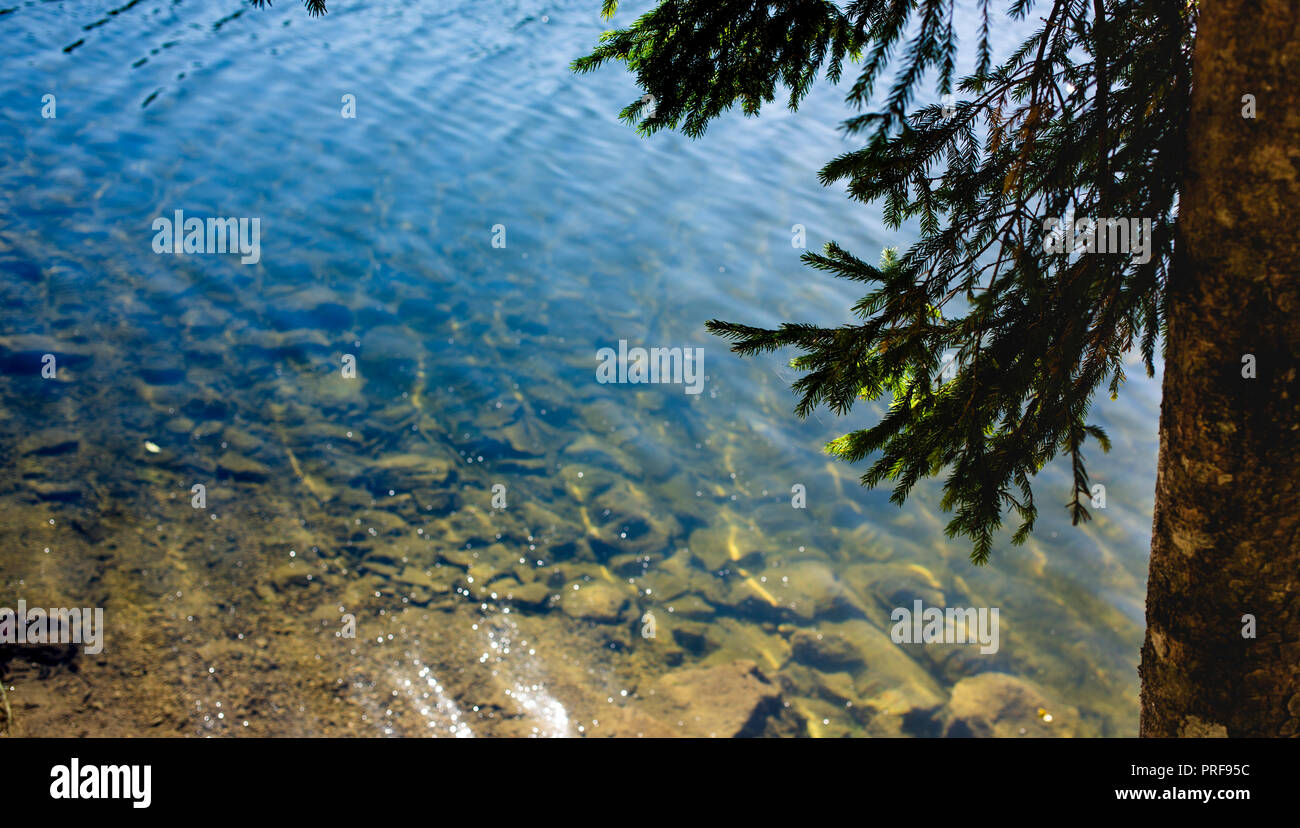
x,y
827,651
1001,705
810,590
722,701
242,468
65,491
50,442
594,601
535,595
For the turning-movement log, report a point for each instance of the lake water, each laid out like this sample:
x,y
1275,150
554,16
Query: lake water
x,y
469,242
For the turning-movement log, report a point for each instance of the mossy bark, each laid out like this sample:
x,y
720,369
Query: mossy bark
x,y
1226,535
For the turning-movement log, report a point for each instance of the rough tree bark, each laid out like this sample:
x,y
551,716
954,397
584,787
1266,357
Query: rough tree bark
x,y
1226,535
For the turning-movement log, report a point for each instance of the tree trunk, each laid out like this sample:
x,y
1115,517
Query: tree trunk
x,y
1226,534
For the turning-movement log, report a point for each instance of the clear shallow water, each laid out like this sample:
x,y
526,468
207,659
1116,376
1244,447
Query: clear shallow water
x,y
476,368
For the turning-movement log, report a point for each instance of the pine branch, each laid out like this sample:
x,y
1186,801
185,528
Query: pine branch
x,y
1068,124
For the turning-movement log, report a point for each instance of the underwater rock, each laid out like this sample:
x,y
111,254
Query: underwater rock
x,y
721,590
160,397
50,442
64,491
691,636
377,523
802,681
692,607
723,701
887,683
1001,705
724,547
893,585
296,346
625,529
204,321
333,392
378,566
535,595
313,307
809,590
240,440
387,349
405,473
742,638
418,595
824,719
242,468
287,576
902,710
481,576
672,576
25,353
628,565
634,534
209,406
435,503
180,425
655,464
386,555
437,580
594,601
953,662
634,723
486,449
360,591
500,557
207,429
888,663
536,516
589,454
459,557
414,465
529,443
527,573
863,541
829,651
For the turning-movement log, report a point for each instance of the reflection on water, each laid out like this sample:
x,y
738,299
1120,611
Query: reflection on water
x,y
330,500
